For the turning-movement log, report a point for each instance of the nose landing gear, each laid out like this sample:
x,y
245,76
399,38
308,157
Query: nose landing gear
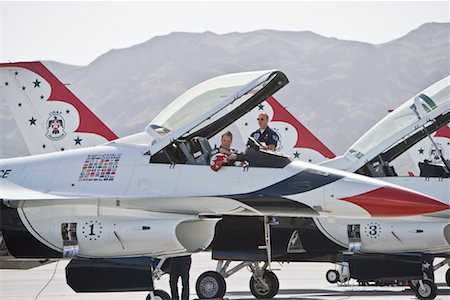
x,y
156,273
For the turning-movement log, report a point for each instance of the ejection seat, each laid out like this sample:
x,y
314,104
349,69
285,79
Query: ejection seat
x,y
196,151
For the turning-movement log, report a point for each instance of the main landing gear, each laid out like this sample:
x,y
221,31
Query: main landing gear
x,y
264,283
211,285
158,295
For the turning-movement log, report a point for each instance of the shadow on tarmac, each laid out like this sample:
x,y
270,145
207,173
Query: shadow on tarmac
x,y
323,294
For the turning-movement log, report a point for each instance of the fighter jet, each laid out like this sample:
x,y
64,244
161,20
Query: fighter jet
x,y
137,196
376,243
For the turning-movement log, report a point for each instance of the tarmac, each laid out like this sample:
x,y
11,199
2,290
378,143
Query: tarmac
x,y
297,281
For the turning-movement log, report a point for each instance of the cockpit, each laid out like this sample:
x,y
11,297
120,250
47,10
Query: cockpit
x,y
402,131
198,151
180,133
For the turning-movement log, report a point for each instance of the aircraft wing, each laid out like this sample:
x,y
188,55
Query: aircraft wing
x,y
15,195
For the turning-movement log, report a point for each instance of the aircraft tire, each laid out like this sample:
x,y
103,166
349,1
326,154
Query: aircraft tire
x,y
159,295
332,276
428,292
210,285
261,292
447,277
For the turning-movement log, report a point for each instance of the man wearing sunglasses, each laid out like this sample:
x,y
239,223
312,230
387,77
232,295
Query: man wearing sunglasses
x,y
265,135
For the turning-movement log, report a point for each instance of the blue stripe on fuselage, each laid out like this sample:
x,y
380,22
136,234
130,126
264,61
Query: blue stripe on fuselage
x,y
301,182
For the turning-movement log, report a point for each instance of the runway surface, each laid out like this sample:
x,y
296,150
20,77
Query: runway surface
x,y
297,281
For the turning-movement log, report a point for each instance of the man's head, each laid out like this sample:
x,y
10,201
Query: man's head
x,y
263,120
227,139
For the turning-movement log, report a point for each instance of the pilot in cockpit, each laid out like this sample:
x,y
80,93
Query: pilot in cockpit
x,y
265,135
225,148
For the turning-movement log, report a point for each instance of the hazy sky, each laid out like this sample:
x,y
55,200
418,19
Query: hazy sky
x,y
78,32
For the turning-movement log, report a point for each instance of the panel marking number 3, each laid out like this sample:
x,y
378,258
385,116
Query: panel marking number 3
x,y
372,230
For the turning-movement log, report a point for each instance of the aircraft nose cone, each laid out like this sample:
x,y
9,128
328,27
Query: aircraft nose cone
x,y
390,201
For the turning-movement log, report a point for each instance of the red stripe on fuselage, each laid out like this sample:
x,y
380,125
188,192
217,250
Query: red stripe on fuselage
x,y
393,202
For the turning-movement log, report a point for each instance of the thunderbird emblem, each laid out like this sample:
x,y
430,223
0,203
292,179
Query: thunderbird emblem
x,y
55,126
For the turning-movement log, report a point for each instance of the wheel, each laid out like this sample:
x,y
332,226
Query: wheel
x,y
332,276
267,290
210,285
159,295
447,277
428,291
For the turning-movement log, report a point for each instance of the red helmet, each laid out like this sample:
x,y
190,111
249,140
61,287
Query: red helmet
x,y
217,161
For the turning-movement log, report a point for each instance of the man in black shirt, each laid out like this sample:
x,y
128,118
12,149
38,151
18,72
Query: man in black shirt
x,y
180,267
265,135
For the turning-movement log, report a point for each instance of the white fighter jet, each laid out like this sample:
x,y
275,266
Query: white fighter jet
x,y
423,134
154,193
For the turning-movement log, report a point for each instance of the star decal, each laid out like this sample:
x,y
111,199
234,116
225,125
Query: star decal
x,y
6,83
296,154
32,121
67,111
285,128
16,73
246,124
62,149
43,146
261,107
421,151
23,88
310,160
37,83
19,104
42,97
78,141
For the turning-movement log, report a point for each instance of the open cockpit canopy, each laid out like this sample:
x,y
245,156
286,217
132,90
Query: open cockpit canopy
x,y
211,106
427,106
408,125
